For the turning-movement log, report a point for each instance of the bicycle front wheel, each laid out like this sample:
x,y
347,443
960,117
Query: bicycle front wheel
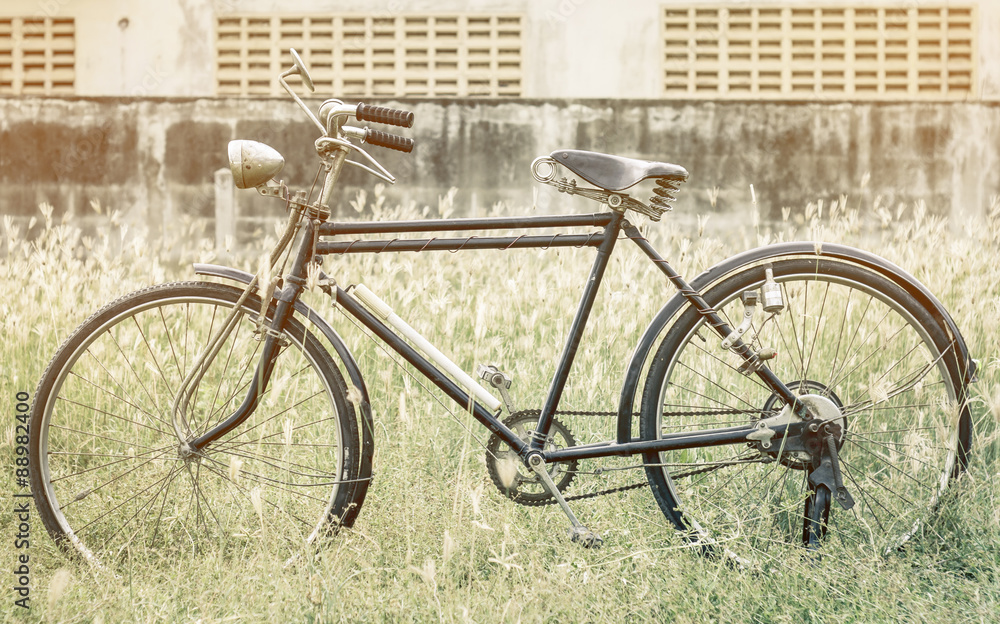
x,y
107,475
846,334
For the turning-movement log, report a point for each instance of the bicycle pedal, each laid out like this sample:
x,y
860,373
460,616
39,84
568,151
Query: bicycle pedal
x,y
585,537
493,376
496,378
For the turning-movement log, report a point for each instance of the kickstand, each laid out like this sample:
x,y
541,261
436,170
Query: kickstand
x,y
577,532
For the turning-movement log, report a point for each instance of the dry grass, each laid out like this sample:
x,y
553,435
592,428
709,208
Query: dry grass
x,y
435,541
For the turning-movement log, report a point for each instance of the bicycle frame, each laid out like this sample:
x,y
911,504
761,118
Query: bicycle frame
x,y
613,224
333,150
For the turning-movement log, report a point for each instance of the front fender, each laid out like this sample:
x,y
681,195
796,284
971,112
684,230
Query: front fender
x,y
783,250
353,373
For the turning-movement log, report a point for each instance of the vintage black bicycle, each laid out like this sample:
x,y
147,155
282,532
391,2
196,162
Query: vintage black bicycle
x,y
789,390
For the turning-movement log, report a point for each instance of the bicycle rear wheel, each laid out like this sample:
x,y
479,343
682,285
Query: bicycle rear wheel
x,y
848,335
107,475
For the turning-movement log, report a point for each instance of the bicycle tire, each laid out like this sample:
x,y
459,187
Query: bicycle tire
x,y
106,472
847,334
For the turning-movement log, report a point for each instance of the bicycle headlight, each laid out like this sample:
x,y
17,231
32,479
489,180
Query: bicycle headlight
x,y
253,163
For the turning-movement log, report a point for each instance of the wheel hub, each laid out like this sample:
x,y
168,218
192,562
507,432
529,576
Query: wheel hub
x,y
797,451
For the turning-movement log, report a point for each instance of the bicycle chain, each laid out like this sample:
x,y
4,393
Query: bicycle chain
x,y
720,412
634,486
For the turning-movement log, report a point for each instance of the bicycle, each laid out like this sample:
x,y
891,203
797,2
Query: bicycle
x,y
200,411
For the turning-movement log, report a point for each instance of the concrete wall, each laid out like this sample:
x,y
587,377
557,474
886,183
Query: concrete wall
x,y
154,158
572,48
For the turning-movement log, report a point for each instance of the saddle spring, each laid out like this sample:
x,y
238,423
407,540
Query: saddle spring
x,y
666,191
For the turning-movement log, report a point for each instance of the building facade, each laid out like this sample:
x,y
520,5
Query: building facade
x,y
657,49
132,103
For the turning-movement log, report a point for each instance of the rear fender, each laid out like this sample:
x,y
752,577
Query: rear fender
x,y
353,372
724,269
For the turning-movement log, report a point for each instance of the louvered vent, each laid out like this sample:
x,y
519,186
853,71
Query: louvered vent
x,y
926,51
353,56
37,56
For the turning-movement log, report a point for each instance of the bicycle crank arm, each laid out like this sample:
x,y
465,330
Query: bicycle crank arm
x,y
577,531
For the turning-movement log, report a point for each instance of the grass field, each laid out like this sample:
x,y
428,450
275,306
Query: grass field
x,y
435,541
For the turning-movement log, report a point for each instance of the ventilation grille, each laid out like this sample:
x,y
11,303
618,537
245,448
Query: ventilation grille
x,y
352,56
37,56
927,52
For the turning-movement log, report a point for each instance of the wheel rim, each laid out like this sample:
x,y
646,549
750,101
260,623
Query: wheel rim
x,y
110,466
899,450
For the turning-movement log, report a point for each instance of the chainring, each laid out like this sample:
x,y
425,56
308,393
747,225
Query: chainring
x,y
515,480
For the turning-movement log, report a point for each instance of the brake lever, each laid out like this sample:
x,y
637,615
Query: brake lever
x,y
366,168
381,171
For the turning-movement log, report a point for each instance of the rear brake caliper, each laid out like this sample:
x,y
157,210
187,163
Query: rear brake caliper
x,y
754,360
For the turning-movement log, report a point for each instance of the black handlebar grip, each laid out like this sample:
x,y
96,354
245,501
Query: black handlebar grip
x,y
392,141
390,116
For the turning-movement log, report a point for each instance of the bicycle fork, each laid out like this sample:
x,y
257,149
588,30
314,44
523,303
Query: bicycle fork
x,y
334,155
273,342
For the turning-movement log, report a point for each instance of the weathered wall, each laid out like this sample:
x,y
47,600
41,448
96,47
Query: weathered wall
x,y
154,158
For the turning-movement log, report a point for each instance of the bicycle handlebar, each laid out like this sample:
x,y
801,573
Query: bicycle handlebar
x,y
390,116
392,141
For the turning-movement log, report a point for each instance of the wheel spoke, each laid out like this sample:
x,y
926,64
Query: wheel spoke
x,y
269,502
152,355
95,435
130,401
889,448
122,458
727,364
242,432
121,504
815,338
711,399
113,415
795,335
883,486
131,368
147,507
284,467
